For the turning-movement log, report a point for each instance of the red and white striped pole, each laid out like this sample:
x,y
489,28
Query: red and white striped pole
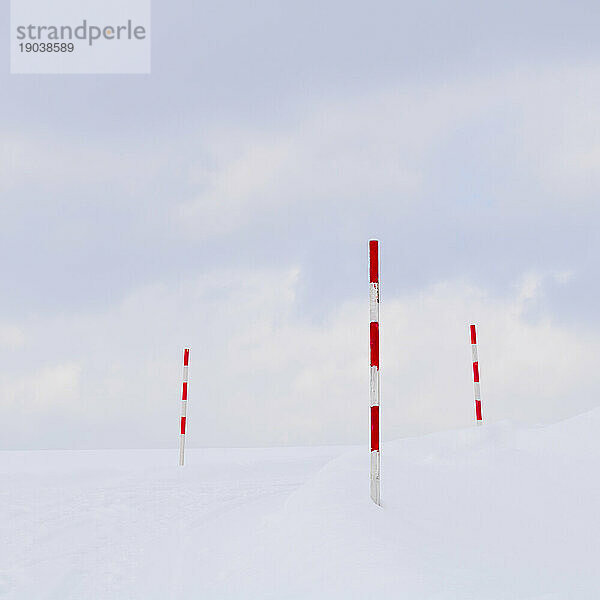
x,y
184,395
476,388
374,368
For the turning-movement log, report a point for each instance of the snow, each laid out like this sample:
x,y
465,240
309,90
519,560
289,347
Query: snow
x,y
493,512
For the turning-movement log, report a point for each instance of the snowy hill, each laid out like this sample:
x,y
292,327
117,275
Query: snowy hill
x,y
495,512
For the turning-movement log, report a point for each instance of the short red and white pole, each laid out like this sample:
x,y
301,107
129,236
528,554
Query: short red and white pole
x,y
476,388
374,368
184,396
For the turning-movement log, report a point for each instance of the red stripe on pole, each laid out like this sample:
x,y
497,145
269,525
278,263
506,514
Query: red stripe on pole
x,y
373,261
374,428
183,425
184,393
186,357
476,372
478,410
473,335
375,344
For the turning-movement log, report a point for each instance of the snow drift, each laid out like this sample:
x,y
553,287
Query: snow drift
x,y
492,512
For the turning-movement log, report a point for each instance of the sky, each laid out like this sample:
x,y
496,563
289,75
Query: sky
x,y
224,202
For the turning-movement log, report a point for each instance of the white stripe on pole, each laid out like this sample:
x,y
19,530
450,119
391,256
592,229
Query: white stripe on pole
x,y
184,396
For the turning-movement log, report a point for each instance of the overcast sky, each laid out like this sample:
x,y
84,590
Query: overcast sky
x,y
225,202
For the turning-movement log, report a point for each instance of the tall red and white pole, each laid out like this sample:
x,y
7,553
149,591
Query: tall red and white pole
x,y
476,388
184,396
374,368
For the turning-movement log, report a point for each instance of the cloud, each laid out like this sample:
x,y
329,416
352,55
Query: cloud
x,y
42,391
11,336
532,368
483,190
262,374
381,149
61,163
